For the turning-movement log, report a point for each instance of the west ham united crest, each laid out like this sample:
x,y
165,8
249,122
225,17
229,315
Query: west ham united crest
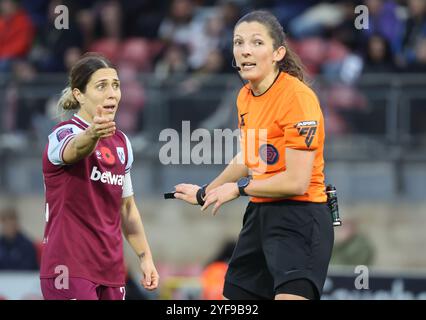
x,y
121,155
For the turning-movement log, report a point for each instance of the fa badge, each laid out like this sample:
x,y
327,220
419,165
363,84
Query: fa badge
x,y
121,155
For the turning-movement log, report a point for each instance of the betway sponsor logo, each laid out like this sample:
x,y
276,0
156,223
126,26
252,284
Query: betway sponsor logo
x,y
106,177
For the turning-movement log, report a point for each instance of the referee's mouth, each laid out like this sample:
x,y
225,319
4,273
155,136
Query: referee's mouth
x,y
246,66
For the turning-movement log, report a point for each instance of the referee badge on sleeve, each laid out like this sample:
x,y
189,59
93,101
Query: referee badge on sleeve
x,y
308,130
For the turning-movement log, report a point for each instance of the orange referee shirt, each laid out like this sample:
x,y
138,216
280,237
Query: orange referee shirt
x,y
287,115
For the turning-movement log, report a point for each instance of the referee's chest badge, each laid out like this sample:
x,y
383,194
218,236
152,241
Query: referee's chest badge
x,y
121,155
268,153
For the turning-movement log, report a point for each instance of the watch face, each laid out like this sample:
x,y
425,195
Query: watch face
x,y
243,182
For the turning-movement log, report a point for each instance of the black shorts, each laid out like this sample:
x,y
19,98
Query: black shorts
x,y
280,242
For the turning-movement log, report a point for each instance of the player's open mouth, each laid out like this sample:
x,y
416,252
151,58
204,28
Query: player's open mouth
x,y
110,107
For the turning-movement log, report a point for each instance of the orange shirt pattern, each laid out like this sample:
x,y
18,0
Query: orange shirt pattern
x,y
290,113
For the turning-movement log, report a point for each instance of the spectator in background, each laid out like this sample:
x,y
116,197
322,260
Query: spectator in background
x,y
53,45
379,56
345,32
197,95
85,21
37,10
22,111
351,246
71,57
111,40
111,19
176,26
384,21
108,30
143,17
419,63
17,251
415,29
27,109
205,37
316,19
213,66
230,11
172,63
130,117
16,33
287,10
418,110
183,26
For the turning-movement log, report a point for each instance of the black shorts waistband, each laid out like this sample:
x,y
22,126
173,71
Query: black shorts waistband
x,y
287,202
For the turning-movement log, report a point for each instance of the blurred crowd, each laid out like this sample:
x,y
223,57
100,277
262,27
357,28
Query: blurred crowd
x,y
192,40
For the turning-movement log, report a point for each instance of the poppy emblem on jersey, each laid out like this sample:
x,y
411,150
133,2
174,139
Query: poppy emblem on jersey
x,y
268,153
121,155
308,130
63,133
106,155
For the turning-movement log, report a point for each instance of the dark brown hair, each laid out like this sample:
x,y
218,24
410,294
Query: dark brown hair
x,y
291,63
80,75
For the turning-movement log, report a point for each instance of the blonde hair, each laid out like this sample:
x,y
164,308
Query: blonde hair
x,y
67,101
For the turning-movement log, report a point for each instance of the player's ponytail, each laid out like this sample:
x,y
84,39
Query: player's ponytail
x,y
67,100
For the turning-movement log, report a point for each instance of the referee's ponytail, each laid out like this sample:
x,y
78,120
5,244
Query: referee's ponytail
x,y
291,63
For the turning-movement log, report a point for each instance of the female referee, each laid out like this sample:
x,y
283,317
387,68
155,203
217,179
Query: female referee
x,y
284,247
89,195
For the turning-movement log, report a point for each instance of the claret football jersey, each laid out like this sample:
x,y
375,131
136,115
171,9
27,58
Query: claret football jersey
x,y
83,224
287,115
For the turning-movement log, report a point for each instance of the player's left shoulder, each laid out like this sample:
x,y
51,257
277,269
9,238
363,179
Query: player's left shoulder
x,y
121,136
123,141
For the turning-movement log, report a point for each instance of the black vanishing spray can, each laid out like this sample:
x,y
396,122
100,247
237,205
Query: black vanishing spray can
x,y
332,204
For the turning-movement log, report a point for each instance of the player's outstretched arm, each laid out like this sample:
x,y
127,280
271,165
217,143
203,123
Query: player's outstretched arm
x,y
85,142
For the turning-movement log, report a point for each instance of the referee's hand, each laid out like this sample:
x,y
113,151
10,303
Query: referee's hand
x,y
187,192
221,195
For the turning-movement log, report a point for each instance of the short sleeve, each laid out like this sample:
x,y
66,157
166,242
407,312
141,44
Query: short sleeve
x,y
300,122
127,186
58,140
129,154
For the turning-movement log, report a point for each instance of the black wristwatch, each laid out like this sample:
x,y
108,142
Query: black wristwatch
x,y
201,194
242,183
